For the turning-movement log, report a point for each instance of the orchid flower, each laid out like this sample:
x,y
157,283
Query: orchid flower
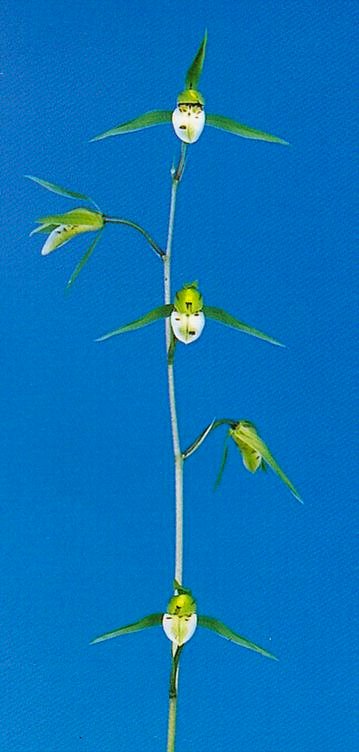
x,y
187,315
254,452
179,624
61,228
189,118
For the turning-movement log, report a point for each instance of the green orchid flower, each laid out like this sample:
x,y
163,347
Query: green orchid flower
x,y
189,118
61,228
179,624
187,316
254,452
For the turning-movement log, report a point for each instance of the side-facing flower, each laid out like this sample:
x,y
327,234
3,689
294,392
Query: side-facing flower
x,y
61,228
188,118
254,452
180,621
187,315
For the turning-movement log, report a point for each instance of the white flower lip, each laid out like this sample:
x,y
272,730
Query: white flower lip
x,y
187,328
188,121
62,234
179,629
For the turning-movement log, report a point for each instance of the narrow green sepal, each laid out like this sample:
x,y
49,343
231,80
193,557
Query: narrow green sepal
x,y
223,631
222,465
195,69
225,318
152,620
239,129
81,216
83,261
43,228
161,312
58,189
147,120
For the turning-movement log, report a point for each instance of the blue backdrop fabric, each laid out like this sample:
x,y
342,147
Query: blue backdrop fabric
x,y
86,465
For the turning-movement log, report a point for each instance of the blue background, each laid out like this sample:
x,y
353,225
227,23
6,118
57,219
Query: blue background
x,y
86,465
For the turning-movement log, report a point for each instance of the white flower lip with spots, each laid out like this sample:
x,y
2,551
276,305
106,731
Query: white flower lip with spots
x,y
189,119
179,629
187,328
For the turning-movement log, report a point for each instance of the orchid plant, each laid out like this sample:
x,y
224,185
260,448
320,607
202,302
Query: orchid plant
x,y
184,315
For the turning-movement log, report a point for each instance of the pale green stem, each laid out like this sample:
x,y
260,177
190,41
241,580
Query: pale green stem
x,y
172,715
176,178
135,226
176,174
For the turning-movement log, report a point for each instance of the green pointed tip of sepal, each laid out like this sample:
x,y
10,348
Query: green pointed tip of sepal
x,y
218,314
147,120
245,436
239,129
222,466
157,313
83,261
223,631
59,189
194,71
152,620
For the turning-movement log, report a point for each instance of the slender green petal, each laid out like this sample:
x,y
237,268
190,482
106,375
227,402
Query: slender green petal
x,y
147,120
152,620
222,465
43,228
161,312
58,189
227,124
217,626
252,440
225,318
83,261
195,69
198,441
81,216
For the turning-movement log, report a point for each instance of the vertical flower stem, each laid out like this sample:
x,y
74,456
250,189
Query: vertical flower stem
x,y
176,175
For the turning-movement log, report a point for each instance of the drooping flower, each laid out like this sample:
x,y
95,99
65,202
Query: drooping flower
x,y
189,118
254,452
63,227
